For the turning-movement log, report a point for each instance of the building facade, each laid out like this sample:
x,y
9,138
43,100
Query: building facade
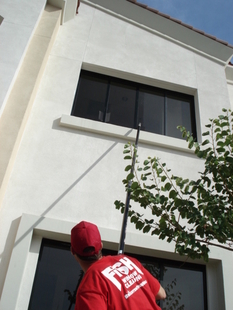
x,y
73,88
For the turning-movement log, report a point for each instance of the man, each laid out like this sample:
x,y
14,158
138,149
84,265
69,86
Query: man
x,y
112,282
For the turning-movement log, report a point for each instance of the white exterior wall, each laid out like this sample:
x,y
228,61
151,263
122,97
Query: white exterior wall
x,y
17,28
68,174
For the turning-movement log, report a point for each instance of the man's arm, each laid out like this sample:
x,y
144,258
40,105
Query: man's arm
x,y
161,293
154,285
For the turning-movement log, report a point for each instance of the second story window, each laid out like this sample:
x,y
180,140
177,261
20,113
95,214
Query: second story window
x,y
124,103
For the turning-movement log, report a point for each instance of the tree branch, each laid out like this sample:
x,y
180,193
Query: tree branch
x,y
215,244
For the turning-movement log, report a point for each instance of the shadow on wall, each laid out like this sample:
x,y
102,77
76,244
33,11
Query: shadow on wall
x,y
10,241
6,254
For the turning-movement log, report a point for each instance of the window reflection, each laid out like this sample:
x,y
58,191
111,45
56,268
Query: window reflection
x,y
56,278
181,282
178,111
151,111
92,94
181,286
121,104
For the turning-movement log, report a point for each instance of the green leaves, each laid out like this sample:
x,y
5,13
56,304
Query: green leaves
x,y
167,186
130,176
205,142
205,205
173,194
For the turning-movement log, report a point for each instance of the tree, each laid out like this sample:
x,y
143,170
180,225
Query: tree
x,y
195,214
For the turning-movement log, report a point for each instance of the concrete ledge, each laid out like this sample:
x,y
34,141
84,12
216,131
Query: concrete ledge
x,y
124,133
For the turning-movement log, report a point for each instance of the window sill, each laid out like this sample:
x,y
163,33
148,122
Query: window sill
x,y
123,133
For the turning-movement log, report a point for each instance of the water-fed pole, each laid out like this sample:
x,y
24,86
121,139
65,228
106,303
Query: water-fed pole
x,y
125,217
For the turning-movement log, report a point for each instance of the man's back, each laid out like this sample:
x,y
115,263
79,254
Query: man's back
x,y
117,283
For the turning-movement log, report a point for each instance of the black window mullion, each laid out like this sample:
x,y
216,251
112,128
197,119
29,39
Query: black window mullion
x,y
107,100
136,114
193,119
165,113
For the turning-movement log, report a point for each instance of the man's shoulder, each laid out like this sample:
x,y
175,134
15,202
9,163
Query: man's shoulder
x,y
110,261
116,258
100,264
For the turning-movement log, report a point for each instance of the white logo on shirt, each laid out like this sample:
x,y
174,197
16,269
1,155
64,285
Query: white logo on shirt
x,y
123,272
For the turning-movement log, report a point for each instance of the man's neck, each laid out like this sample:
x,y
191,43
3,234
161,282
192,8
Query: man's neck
x,y
85,265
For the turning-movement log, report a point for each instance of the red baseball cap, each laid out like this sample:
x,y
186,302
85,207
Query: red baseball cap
x,y
85,235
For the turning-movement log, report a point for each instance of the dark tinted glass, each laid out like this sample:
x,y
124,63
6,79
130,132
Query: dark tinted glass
x,y
121,104
151,110
178,113
184,289
56,278
180,282
91,96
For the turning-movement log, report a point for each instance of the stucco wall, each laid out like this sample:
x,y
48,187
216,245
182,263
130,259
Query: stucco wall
x,y
71,175
20,21
52,158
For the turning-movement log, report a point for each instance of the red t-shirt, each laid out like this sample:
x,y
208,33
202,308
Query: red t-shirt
x,y
117,283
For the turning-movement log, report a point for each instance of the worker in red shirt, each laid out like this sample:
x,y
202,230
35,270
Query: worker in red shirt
x,y
115,282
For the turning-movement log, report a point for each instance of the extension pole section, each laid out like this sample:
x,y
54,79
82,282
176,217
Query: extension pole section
x,y
125,217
